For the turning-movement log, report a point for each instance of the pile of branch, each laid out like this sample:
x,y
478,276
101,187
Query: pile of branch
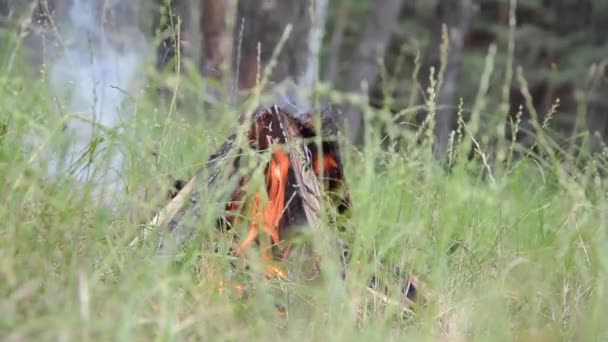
x,y
305,167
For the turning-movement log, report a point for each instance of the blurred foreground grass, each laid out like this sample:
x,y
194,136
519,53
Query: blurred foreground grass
x,y
521,255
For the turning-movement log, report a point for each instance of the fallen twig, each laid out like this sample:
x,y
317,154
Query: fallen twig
x,y
169,211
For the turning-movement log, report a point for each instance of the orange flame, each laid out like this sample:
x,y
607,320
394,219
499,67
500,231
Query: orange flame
x,y
329,163
269,215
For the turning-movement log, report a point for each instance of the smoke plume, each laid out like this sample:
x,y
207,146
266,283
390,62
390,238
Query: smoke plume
x,y
91,78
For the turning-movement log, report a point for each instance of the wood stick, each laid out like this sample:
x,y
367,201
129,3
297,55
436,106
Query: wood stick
x,y
405,308
170,210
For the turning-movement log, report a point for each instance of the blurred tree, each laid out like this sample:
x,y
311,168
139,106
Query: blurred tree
x,y
560,46
217,23
456,15
337,37
169,25
365,60
264,21
318,9
5,9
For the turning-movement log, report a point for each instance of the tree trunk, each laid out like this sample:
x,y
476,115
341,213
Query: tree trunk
x,y
364,67
5,10
187,10
217,23
176,21
456,15
315,40
264,22
335,44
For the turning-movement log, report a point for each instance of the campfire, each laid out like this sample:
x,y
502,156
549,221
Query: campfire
x,y
303,176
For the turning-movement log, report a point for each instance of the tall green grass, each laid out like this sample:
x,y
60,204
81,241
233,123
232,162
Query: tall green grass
x,y
510,248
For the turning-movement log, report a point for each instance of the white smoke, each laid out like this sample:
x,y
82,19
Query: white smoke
x,y
91,78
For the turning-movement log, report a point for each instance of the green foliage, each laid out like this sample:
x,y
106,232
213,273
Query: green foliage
x,y
518,255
